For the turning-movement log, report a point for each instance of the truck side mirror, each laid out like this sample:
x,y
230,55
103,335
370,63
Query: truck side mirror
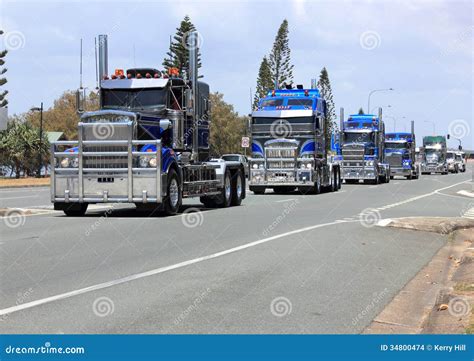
x,y
460,147
448,136
79,101
188,96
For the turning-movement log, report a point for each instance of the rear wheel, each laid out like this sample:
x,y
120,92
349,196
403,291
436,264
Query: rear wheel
x,y
258,190
75,209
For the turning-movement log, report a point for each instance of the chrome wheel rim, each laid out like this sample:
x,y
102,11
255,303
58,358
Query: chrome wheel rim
x,y
239,187
174,193
227,188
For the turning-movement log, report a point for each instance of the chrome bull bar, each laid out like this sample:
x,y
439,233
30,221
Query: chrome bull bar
x,y
97,185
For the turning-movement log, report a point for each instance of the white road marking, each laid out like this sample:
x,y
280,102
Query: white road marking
x,y
466,193
469,213
409,200
286,200
156,271
35,196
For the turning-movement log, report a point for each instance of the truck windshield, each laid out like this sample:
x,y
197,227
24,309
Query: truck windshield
x,y
301,102
366,137
231,158
271,102
134,98
390,145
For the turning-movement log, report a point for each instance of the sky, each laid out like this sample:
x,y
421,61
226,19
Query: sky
x,y
421,49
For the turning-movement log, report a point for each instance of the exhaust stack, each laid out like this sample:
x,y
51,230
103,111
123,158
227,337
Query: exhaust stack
x,y
192,42
314,83
103,57
412,129
341,127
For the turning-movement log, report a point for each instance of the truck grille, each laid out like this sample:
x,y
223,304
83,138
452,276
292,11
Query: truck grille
x,y
105,131
353,154
394,160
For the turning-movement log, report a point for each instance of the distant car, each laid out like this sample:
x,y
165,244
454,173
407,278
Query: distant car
x,y
238,158
461,161
451,161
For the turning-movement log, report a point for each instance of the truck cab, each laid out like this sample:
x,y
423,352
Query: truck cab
x,y
147,145
434,155
362,149
289,145
400,154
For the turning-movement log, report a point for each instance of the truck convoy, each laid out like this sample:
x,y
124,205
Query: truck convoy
x,y
400,154
362,149
434,155
148,144
289,145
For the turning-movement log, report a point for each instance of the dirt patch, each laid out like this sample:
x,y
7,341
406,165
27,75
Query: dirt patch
x,y
24,182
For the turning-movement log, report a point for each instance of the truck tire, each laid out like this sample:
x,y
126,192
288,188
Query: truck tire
x,y
339,179
75,209
317,184
222,200
173,199
257,190
333,186
238,182
283,189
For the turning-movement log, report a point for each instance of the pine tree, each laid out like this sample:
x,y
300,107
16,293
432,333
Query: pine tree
x,y
3,81
264,81
280,65
330,124
361,111
177,56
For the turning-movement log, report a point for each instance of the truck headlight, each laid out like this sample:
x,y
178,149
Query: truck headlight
x,y
74,162
152,162
255,166
370,163
147,161
309,166
65,162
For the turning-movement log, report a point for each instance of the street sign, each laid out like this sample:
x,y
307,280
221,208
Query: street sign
x,y
245,142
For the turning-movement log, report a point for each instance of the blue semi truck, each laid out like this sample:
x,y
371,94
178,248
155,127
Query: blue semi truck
x,y
400,153
148,144
289,143
361,149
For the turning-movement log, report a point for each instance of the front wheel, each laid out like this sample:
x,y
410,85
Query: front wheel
x,y
173,198
76,210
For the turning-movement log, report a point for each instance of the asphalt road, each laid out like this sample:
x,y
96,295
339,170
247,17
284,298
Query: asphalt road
x,y
276,264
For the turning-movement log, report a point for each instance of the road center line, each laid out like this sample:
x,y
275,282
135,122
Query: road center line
x,y
156,271
286,200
